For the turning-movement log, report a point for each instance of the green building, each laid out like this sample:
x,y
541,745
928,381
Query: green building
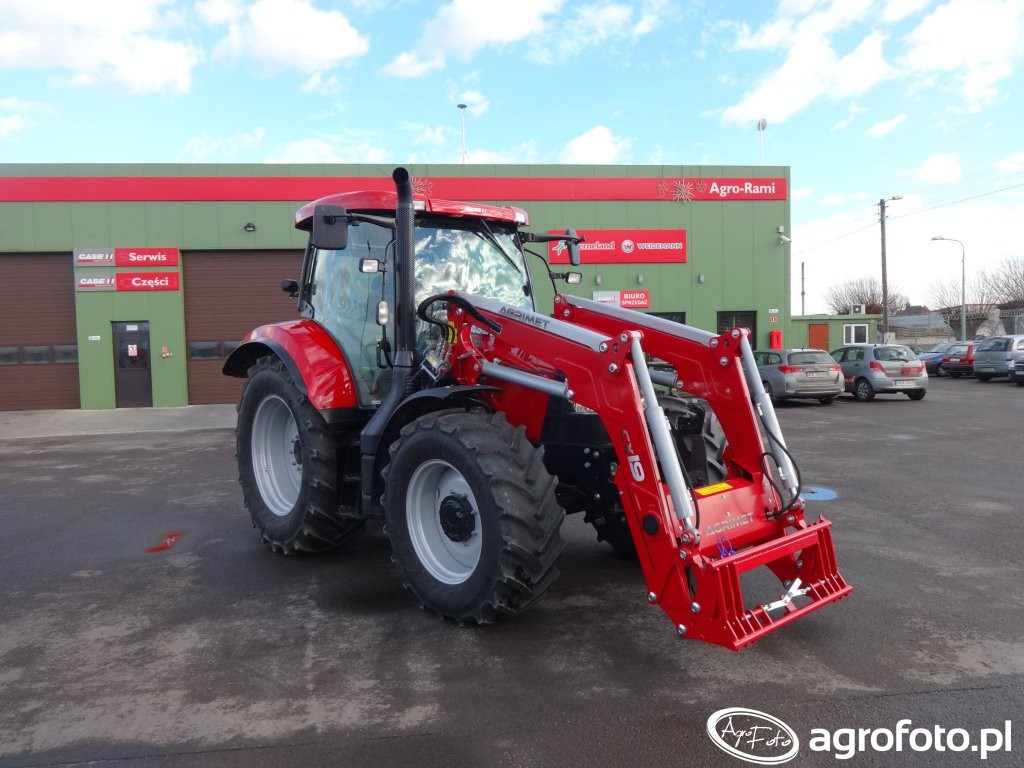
x,y
128,285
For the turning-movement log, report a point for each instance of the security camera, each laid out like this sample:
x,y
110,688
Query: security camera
x,y
783,240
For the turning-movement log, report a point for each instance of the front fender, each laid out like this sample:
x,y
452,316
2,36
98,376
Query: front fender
x,y
311,356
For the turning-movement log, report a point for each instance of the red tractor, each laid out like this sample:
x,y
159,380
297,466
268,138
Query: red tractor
x,y
421,386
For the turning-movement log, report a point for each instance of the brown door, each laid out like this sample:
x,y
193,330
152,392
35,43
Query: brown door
x,y
133,381
817,336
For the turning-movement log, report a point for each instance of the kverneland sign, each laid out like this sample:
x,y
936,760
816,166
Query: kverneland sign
x,y
624,246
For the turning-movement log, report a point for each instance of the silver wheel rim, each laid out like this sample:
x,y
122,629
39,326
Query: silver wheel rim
x,y
447,560
276,455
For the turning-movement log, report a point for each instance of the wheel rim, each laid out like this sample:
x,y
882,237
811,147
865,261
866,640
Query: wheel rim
x,y
863,390
277,455
444,525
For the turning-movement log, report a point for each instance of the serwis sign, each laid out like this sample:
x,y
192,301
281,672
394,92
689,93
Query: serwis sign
x,y
146,257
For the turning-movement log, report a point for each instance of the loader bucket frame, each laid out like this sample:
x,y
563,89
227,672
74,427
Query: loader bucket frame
x,y
694,544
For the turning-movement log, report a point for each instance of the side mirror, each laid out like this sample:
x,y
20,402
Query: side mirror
x,y
574,247
290,286
330,227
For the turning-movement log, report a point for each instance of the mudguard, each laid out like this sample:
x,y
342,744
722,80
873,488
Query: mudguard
x,y
310,354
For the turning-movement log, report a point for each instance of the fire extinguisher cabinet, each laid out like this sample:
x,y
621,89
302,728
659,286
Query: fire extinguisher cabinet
x,y
775,339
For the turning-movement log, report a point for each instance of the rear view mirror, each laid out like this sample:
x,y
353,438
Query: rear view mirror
x,y
574,248
330,227
290,286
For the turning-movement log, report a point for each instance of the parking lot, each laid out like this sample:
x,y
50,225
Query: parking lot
x,y
143,623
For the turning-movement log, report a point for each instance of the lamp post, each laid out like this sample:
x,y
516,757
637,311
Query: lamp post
x,y
463,156
885,280
963,284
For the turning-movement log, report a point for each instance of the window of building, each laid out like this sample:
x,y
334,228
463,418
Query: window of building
x,y
855,333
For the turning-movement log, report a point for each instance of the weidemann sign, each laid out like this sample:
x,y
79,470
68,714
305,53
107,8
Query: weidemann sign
x,y
624,246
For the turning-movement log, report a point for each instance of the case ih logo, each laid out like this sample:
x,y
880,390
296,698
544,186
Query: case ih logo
x,y
95,283
94,257
625,246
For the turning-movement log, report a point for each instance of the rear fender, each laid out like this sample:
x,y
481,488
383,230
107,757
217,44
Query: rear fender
x,y
311,356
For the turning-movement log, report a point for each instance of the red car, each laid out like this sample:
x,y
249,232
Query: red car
x,y
959,359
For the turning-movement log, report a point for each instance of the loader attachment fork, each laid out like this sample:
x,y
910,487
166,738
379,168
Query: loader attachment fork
x,y
694,543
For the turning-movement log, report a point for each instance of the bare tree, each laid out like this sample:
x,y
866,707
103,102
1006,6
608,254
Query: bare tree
x,y
946,294
842,298
1005,282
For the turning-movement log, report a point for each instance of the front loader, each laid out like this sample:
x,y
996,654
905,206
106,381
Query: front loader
x,y
420,386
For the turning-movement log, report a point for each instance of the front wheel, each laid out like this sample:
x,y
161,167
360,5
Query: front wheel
x,y
287,464
472,516
863,391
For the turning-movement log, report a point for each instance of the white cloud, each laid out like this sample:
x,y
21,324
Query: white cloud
x,y
1011,164
350,147
596,146
284,34
938,169
975,43
205,148
125,45
884,128
327,86
463,27
11,124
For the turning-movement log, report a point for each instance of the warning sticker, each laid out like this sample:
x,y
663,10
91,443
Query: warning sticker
x,y
708,490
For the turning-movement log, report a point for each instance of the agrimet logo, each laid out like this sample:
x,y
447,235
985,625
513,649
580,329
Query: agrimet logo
x,y
758,737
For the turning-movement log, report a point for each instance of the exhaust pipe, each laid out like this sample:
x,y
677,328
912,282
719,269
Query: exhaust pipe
x,y
405,344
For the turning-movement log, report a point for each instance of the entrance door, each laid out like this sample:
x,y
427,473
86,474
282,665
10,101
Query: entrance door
x,y
817,336
133,381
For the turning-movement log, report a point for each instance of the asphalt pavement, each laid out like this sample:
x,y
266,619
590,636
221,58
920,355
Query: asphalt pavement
x,y
144,625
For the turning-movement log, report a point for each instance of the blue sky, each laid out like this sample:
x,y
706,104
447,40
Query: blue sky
x,y
863,100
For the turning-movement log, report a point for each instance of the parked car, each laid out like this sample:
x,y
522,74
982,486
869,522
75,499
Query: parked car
x,y
1017,374
876,369
799,373
932,358
996,355
959,359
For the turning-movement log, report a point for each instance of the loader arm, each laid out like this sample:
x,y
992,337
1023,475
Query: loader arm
x,y
694,544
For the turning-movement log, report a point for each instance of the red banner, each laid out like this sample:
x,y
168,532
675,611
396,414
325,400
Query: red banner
x,y
634,299
147,281
624,246
146,257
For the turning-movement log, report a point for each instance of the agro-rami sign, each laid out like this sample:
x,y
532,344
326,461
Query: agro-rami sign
x,y
624,246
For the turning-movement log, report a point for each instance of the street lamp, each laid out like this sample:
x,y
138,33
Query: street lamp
x,y
963,285
462,116
885,281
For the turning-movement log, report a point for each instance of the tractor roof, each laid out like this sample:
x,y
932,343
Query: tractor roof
x,y
385,202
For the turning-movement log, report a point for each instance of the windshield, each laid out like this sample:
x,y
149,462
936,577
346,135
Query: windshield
x,y
810,358
942,346
485,262
895,354
994,345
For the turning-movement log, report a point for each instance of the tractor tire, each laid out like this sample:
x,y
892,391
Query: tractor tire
x,y
472,517
612,526
287,464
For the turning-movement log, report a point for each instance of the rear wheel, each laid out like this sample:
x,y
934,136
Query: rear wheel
x,y
472,516
917,394
701,455
827,399
984,377
955,374
287,464
863,391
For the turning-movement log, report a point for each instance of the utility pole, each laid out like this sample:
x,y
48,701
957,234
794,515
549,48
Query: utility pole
x,y
885,278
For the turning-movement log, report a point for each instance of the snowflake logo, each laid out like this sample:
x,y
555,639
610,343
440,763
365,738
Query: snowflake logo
x,y
662,188
702,186
682,191
421,186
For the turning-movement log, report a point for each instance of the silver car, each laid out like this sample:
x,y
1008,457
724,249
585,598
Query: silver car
x,y
876,369
995,356
792,373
